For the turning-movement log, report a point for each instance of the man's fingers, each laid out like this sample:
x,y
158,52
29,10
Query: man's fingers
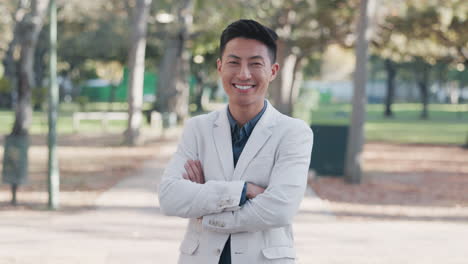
x,y
185,176
190,172
197,170
194,171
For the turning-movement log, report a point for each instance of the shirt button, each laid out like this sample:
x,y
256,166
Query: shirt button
x,y
218,251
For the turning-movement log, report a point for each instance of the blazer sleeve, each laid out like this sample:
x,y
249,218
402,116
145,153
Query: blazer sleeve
x,y
279,203
183,198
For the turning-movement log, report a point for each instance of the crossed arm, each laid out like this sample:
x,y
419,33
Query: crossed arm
x,y
195,197
185,193
194,173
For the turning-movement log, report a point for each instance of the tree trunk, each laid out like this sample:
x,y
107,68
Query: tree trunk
x,y
274,90
173,87
353,166
42,50
282,88
136,65
391,74
423,85
198,91
167,74
28,31
296,85
423,89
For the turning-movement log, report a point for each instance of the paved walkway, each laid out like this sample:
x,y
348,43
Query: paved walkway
x,y
127,228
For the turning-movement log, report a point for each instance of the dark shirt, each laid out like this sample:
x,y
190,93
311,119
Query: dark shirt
x,y
239,137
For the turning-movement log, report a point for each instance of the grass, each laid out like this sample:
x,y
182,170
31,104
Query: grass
x,y
447,124
65,123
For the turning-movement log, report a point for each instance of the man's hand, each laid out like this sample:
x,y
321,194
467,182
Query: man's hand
x,y
253,190
194,171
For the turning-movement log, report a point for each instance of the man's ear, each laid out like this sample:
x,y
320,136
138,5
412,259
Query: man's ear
x,y
218,65
274,71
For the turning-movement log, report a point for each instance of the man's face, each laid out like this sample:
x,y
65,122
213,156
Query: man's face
x,y
246,71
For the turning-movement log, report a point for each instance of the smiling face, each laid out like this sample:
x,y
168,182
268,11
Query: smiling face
x,y
246,71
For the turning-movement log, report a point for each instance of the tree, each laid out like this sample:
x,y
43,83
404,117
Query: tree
x,y
136,66
9,11
15,13
419,49
391,70
28,22
353,166
304,27
423,34
204,42
422,72
26,33
173,88
92,33
387,47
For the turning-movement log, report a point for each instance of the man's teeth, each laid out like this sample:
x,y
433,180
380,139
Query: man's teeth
x,y
243,87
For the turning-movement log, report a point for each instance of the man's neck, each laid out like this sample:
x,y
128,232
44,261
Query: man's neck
x,y
244,113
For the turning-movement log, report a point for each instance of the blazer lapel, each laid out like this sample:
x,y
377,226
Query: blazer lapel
x,y
257,139
222,139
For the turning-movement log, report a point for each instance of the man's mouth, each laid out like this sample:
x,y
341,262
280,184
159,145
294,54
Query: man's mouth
x,y
243,87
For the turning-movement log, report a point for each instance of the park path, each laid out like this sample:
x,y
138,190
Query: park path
x,y
127,227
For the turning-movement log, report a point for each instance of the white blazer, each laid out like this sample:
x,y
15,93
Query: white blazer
x,y
276,157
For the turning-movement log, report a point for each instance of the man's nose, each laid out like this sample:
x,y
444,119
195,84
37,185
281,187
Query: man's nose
x,y
244,72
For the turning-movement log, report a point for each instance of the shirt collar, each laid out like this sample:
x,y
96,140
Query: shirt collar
x,y
250,125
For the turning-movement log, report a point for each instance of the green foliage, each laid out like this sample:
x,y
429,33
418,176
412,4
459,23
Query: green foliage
x,y
95,31
307,26
39,97
432,30
5,86
5,93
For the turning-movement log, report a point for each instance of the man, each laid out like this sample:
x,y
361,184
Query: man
x,y
240,173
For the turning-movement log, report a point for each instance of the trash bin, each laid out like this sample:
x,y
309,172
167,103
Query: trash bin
x,y
15,160
329,151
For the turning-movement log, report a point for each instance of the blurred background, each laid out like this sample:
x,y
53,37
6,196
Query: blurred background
x,y
416,68
416,83
130,72
387,101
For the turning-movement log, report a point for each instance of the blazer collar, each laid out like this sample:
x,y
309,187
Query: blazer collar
x,y
259,136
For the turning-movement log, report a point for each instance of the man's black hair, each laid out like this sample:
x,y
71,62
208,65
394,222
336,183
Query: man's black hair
x,y
250,29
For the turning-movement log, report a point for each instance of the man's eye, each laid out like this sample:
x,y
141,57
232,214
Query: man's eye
x,y
257,64
233,62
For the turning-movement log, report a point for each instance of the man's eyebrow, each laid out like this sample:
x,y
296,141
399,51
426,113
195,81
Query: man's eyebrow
x,y
250,58
234,56
256,57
